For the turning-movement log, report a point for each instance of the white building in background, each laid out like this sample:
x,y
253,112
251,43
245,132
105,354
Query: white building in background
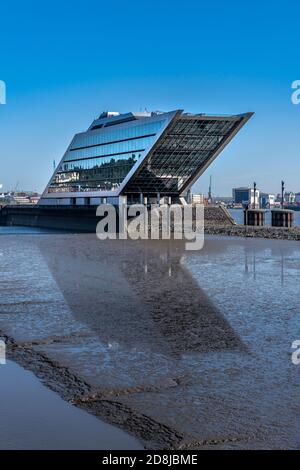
x,y
267,200
245,196
198,198
289,197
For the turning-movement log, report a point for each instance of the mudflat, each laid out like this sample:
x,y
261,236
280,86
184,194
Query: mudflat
x,y
181,349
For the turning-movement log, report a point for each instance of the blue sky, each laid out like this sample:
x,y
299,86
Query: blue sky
x,y
65,62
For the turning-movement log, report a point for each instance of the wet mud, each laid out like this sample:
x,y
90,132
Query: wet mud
x,y
180,349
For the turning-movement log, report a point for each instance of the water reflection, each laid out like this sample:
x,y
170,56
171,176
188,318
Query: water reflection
x,y
248,257
146,286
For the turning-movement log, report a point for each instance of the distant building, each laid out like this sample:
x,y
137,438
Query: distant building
x,y
19,198
245,196
266,200
289,197
198,198
297,197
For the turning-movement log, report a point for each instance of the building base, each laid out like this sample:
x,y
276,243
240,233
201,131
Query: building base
x,y
77,219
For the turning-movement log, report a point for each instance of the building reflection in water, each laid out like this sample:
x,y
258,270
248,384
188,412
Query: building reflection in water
x,y
136,293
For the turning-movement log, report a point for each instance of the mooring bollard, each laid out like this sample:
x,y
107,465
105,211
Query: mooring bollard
x,y
254,217
282,218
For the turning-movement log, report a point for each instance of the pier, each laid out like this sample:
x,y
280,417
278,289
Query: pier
x,y
282,218
254,217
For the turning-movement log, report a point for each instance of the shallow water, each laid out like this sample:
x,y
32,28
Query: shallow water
x,y
15,229
33,417
197,341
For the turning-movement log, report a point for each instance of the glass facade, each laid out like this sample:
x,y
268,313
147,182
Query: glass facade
x,y
186,148
99,160
127,146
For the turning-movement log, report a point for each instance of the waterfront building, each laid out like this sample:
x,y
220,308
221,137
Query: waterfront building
x,y
198,198
289,197
19,198
145,157
245,196
266,200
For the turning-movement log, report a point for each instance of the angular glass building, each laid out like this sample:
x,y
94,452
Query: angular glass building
x,y
139,157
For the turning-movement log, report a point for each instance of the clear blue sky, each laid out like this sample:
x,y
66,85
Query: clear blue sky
x,y
65,62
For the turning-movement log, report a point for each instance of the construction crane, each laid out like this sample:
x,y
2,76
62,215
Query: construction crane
x,y
210,189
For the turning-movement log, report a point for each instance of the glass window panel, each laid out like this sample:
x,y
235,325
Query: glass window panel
x,y
93,174
103,137
188,146
110,149
105,159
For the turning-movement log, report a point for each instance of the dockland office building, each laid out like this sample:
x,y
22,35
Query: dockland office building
x,y
149,157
